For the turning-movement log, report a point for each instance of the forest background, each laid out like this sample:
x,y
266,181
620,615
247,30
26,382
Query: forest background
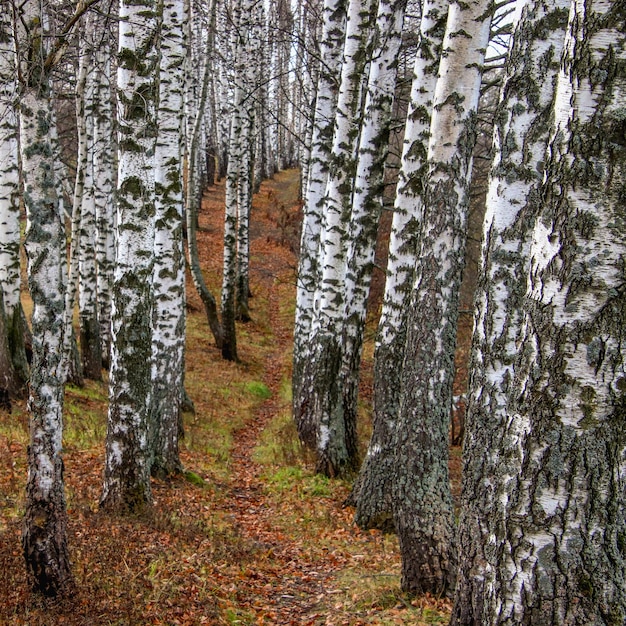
x,y
389,109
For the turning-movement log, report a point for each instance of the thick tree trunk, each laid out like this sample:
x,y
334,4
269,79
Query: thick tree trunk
x,y
556,551
422,502
44,535
372,492
513,202
127,464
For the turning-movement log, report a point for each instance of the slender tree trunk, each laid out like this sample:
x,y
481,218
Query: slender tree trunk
x,y
331,46
44,534
235,285
513,202
87,292
73,364
104,184
127,464
168,340
372,491
15,371
193,195
367,198
336,444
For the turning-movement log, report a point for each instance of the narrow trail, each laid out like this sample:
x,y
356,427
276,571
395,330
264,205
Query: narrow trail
x,y
298,586
294,584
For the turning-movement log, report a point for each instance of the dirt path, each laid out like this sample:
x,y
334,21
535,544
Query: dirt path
x,y
294,593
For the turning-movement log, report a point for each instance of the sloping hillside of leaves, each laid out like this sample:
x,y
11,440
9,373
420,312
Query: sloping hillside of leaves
x,y
248,535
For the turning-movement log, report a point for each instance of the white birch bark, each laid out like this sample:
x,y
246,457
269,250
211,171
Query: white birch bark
x,y
521,134
373,493
422,502
331,46
168,340
194,115
15,374
127,463
104,145
367,198
236,156
563,558
336,444
73,366
91,356
44,534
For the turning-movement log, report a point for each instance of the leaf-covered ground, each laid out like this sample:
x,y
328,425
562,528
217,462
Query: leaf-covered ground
x,y
248,535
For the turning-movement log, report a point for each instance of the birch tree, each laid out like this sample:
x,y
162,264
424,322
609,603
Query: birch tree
x,y
513,201
237,177
87,292
15,368
367,197
422,502
168,340
331,46
372,492
553,525
335,438
127,462
194,117
104,146
44,534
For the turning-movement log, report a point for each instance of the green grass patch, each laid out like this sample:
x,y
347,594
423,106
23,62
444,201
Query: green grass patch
x,y
279,443
258,389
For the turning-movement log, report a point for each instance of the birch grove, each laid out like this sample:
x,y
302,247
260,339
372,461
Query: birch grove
x,y
220,95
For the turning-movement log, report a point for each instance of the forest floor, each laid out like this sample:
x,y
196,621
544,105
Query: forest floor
x,y
249,534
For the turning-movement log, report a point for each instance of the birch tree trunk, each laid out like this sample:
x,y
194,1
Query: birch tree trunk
x,y
367,198
235,283
513,202
87,292
331,46
15,370
44,534
127,464
335,439
168,340
422,502
236,153
104,145
372,491
193,195
561,532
